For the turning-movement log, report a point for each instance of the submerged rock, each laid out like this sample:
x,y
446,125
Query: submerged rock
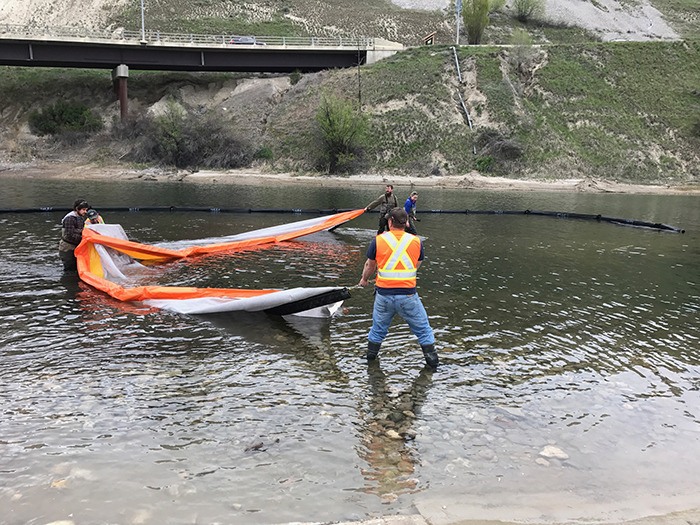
x,y
550,451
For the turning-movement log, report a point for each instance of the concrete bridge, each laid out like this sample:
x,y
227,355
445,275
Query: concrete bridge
x,y
120,50
154,50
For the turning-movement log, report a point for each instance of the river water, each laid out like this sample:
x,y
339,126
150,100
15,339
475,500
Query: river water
x,y
568,387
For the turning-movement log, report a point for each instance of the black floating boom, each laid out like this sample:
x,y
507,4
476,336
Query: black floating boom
x,y
566,215
300,211
329,211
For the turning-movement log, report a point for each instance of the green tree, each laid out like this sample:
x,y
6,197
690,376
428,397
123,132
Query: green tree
x,y
475,14
168,133
343,131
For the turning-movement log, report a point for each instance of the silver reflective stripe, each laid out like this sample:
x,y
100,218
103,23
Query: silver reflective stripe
x,y
397,274
398,254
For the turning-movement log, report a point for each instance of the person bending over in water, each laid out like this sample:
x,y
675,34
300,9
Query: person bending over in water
x,y
93,217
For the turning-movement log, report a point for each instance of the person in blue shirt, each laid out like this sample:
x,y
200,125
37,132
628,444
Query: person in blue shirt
x,y
410,207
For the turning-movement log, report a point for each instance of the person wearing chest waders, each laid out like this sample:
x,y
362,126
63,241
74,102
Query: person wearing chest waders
x,y
386,202
395,256
71,234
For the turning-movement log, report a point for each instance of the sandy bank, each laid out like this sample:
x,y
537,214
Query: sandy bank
x,y
471,181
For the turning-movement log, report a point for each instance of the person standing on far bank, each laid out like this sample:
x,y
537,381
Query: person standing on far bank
x,y
395,256
71,234
386,202
410,207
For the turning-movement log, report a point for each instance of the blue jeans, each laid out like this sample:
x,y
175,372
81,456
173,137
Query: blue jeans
x,y
410,308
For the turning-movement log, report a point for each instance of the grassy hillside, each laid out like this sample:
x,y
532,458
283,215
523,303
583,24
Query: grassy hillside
x,y
629,111
377,18
626,112
684,15
568,106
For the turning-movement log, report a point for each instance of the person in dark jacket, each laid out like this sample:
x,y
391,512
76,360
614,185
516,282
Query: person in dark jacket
x,y
71,234
386,203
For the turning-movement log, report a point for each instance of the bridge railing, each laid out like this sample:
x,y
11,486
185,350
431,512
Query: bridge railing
x,y
158,37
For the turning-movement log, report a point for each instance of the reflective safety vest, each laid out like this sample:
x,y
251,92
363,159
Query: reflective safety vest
x,y
97,220
397,259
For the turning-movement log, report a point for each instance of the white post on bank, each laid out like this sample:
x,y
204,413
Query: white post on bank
x,y
143,24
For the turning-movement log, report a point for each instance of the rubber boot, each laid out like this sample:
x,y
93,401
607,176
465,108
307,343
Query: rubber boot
x,y
431,357
372,350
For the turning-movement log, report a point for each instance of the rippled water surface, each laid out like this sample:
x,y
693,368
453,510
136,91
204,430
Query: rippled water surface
x,y
568,386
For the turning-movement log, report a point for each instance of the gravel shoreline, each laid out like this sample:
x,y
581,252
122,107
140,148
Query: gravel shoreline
x,y
435,517
472,181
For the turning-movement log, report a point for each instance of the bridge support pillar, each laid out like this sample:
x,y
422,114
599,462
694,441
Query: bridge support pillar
x,y
120,74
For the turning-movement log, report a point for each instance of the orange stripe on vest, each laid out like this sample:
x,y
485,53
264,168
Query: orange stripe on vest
x,y
397,259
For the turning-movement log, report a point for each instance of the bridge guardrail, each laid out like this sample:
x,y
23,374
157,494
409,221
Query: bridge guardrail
x,y
158,37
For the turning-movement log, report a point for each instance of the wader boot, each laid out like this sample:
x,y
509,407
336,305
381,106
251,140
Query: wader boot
x,y
431,357
372,350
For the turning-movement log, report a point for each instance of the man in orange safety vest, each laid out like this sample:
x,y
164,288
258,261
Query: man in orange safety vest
x,y
395,256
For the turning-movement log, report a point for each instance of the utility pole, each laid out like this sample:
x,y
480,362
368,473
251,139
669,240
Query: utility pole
x,y
458,9
359,80
143,25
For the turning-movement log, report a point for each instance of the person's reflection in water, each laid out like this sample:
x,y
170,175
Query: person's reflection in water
x,y
387,431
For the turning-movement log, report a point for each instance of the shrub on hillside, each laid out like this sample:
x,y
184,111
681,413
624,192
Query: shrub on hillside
x,y
484,164
64,117
526,10
496,149
295,77
496,5
695,126
343,132
264,153
695,129
522,52
180,139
